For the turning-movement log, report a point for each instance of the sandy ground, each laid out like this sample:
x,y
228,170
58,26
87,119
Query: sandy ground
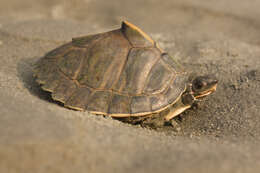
x,y
221,135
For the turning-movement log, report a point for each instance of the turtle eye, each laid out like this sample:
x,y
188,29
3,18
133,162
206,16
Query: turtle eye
x,y
199,85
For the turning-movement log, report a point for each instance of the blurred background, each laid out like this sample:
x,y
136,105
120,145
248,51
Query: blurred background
x,y
184,21
155,15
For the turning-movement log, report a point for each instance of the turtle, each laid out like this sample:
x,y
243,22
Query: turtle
x,y
121,73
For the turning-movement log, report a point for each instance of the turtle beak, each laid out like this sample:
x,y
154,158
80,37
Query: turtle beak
x,y
212,88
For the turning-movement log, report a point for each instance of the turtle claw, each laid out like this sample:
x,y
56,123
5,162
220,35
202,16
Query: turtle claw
x,y
175,125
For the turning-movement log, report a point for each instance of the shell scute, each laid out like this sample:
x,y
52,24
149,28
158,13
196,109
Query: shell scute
x,y
177,86
158,79
139,63
60,51
172,63
69,64
158,102
136,36
104,61
64,90
45,69
52,81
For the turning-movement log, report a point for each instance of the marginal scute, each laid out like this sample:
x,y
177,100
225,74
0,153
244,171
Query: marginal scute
x,y
44,69
139,63
140,104
136,36
79,99
99,102
120,104
158,78
53,81
64,90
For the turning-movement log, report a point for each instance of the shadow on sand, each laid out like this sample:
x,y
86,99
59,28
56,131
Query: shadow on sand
x,y
25,75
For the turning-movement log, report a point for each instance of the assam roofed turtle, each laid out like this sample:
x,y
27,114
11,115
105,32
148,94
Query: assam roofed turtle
x,y
120,73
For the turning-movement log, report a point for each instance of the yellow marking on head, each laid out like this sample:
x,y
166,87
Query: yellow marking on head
x,y
208,92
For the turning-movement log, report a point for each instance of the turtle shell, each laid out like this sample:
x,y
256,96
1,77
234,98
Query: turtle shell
x,y
118,73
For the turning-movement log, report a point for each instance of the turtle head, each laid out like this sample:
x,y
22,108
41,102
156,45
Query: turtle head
x,y
203,85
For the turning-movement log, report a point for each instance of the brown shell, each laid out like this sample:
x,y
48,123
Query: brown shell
x,y
119,73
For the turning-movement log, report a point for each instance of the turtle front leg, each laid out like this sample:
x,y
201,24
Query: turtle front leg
x,y
175,110
185,102
175,124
